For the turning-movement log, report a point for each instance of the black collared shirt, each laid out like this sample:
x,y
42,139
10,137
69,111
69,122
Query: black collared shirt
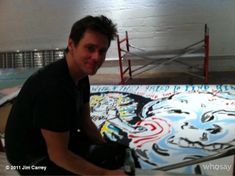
x,y
50,100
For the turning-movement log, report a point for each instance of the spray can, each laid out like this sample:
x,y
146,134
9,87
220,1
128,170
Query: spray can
x,y
129,163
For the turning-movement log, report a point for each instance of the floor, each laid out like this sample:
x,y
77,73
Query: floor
x,y
164,78
109,73
4,170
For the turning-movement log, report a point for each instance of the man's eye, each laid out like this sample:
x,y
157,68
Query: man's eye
x,y
90,48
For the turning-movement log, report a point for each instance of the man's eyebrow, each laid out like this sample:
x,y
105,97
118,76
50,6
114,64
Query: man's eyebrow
x,y
94,45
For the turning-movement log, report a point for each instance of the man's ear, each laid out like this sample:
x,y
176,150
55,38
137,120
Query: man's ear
x,y
70,45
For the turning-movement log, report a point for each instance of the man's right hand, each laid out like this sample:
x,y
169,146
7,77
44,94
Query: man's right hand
x,y
116,173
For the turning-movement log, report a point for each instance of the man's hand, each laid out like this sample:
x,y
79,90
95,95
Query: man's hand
x,y
57,147
90,128
116,173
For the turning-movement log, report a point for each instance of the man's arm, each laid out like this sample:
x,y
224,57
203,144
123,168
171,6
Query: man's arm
x,y
57,147
90,128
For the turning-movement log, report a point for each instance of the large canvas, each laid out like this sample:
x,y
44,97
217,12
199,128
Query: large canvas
x,y
164,124
167,124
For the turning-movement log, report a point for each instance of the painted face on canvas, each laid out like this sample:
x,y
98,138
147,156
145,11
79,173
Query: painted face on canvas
x,y
202,118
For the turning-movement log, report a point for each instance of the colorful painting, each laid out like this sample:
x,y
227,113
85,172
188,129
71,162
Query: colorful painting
x,y
167,124
164,124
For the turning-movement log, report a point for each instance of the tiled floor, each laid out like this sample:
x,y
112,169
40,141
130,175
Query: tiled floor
x,y
109,74
3,166
165,78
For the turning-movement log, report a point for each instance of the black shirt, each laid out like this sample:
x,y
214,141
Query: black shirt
x,y
49,99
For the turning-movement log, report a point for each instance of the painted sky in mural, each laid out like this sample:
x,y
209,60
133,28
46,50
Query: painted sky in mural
x,y
166,124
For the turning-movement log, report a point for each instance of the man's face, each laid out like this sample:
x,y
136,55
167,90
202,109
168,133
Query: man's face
x,y
89,54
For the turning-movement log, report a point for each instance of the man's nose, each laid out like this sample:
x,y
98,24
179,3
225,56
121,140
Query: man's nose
x,y
96,56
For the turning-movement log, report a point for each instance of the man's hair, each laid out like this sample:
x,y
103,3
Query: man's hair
x,y
99,24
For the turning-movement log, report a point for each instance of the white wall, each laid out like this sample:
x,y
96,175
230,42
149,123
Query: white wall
x,y
152,24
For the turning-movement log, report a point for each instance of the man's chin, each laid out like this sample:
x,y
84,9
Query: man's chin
x,y
91,73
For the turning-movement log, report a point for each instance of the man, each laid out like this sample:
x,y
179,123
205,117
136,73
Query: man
x,y
49,124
